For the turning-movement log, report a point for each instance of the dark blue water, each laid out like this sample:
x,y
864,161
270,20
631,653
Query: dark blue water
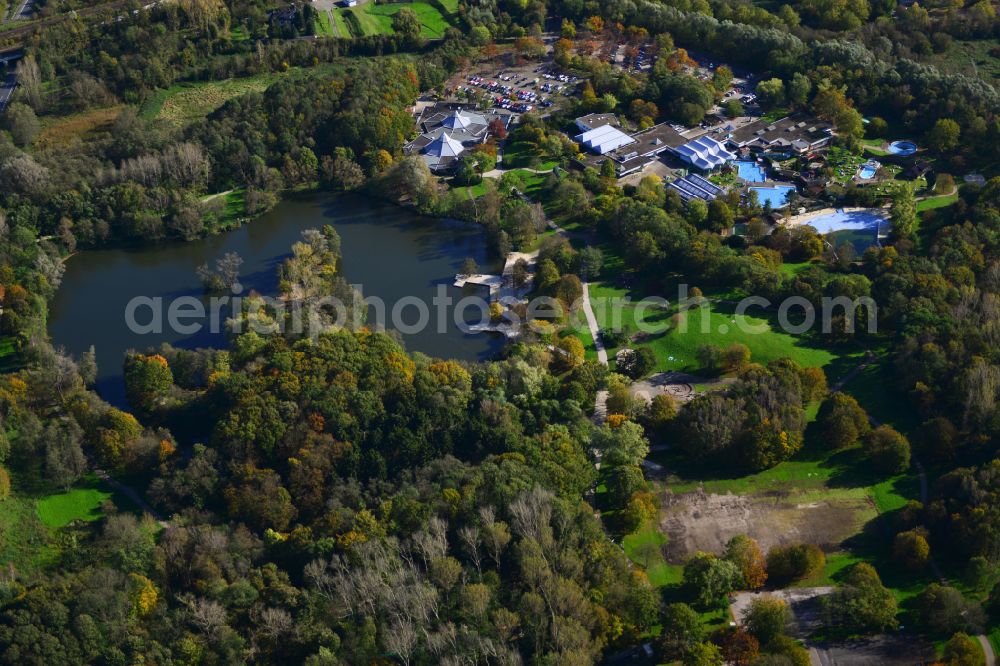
x,y
389,251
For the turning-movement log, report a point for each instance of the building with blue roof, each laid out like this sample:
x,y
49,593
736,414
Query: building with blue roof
x,y
704,153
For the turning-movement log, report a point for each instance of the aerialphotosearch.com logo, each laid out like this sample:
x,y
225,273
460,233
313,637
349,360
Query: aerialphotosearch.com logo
x,y
269,315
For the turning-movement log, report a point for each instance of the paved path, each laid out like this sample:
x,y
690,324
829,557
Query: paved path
x,y
133,495
595,330
496,173
854,372
991,659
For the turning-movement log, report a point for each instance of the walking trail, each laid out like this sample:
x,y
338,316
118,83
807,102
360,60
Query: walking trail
x,y
133,495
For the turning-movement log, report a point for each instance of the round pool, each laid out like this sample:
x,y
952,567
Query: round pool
x,y
902,148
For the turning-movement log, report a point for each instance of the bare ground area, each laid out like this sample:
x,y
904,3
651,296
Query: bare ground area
x,y
679,385
700,521
802,601
899,650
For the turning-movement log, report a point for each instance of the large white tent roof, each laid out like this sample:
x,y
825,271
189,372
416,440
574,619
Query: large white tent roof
x,y
604,139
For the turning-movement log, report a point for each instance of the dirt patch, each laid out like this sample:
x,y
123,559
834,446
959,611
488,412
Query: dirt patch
x,y
804,602
699,521
899,650
66,129
678,385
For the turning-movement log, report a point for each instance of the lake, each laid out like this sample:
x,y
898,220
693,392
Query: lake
x,y
390,251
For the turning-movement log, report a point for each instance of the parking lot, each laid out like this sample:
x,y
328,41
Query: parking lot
x,y
519,89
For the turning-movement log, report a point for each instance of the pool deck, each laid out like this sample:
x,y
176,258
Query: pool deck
x,y
805,218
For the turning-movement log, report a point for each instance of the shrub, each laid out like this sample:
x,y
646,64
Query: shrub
x,y
841,421
888,449
911,549
794,562
766,618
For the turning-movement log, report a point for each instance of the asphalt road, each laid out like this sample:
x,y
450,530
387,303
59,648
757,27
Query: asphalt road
x,y
7,90
23,11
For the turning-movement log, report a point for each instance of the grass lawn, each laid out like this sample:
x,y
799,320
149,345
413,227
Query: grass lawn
x,y
971,58
324,24
675,340
24,540
450,5
774,114
936,202
644,548
520,154
844,164
375,19
874,389
874,146
836,564
532,181
795,269
432,23
82,503
183,103
232,211
368,24
342,30
8,346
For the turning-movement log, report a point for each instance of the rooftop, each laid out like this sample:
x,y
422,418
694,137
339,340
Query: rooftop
x,y
694,186
594,120
604,139
704,153
797,131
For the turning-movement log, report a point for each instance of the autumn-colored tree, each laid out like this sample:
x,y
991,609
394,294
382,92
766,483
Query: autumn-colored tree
x,y
766,618
745,553
148,379
595,24
962,650
497,128
572,351
794,561
911,549
738,646
888,449
841,421
143,594
117,432
736,356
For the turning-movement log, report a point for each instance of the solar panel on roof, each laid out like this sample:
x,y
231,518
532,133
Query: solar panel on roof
x,y
704,183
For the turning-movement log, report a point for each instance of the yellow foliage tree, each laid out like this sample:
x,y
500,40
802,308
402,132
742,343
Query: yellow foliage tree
x,y
143,594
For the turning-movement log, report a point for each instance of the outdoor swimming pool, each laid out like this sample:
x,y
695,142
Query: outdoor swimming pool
x,y
858,220
777,196
902,148
750,172
867,171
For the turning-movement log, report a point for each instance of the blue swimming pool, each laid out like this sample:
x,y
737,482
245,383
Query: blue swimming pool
x,y
858,220
750,171
867,172
777,196
902,148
